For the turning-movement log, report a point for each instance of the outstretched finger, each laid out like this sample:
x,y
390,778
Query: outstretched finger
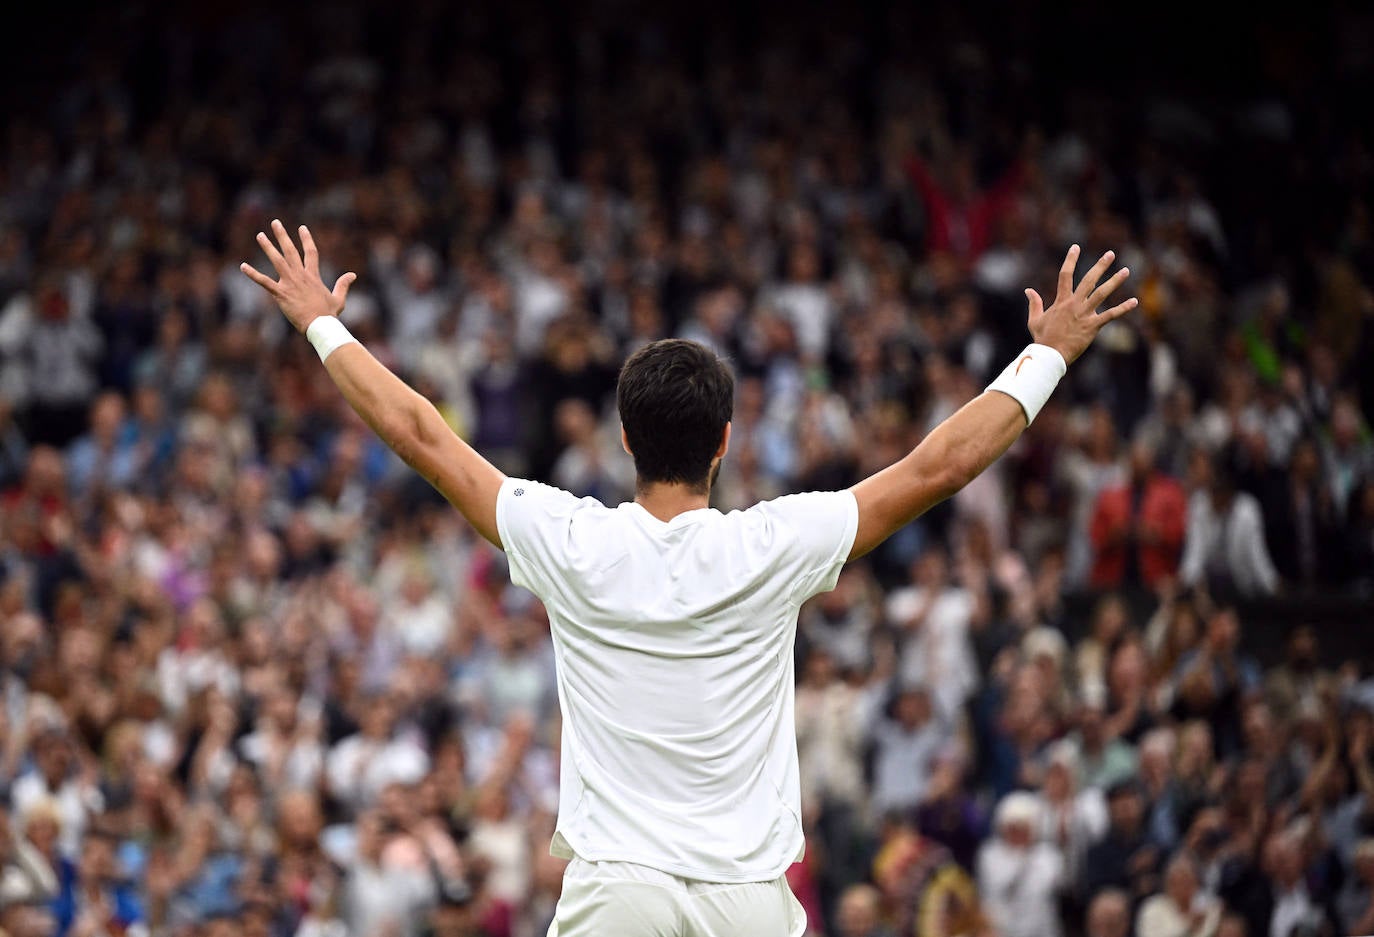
x,y
274,255
1089,281
312,256
1035,303
261,279
1100,294
1066,273
288,246
1117,311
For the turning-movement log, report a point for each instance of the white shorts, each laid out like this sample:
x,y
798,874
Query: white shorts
x,y
621,899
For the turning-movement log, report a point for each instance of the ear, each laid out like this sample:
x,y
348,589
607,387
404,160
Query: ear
x,y
625,442
724,443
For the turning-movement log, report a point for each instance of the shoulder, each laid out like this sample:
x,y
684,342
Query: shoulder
x,y
524,505
809,515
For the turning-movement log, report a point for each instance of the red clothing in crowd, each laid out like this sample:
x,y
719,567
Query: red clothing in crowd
x,y
963,228
1156,517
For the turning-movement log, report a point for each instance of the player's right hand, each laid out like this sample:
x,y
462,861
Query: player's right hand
x,y
1072,321
300,292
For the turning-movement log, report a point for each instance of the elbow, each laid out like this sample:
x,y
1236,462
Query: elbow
x,y
952,476
407,433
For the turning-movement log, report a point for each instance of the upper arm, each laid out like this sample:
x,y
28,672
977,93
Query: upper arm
x,y
465,478
955,451
413,428
892,498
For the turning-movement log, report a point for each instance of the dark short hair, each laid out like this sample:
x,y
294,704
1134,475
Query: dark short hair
x,y
675,398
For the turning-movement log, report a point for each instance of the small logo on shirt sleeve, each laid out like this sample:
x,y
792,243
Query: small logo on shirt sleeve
x,y
518,492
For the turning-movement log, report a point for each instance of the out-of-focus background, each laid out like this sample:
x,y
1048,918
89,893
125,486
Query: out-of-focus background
x,y
257,679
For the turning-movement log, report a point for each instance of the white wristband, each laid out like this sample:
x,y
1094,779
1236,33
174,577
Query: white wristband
x,y
1031,378
328,335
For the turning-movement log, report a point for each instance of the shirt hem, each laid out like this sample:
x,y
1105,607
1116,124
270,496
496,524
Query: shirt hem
x,y
669,868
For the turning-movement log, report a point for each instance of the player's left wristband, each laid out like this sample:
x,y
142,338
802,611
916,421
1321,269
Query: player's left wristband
x,y
328,335
1031,378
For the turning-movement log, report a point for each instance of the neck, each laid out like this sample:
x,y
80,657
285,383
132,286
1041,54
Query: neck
x,y
666,500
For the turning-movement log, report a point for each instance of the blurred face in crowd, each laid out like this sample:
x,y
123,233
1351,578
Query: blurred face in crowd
x,y
913,708
1302,648
1223,631
97,863
820,669
1283,859
1180,883
1126,810
1109,915
1142,461
54,759
1364,862
859,910
22,920
1304,466
1017,834
42,830
107,416
1232,925
932,569
299,819
1258,728
378,716
1059,780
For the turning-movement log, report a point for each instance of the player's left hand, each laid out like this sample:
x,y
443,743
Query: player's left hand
x,y
300,292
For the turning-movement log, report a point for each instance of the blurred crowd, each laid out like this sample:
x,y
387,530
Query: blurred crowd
x,y
258,679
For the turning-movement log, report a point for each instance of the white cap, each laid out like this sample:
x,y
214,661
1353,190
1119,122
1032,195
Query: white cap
x,y
1017,807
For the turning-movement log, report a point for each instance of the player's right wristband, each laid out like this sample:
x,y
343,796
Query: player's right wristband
x,y
328,335
1031,378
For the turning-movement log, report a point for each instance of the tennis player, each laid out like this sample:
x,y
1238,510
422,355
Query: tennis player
x,y
673,624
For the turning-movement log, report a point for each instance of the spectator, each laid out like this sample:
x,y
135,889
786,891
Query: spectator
x,y
905,747
859,914
1302,522
1137,529
26,877
935,618
57,780
1109,914
1296,908
380,753
1356,901
1181,909
1225,549
1019,877
380,897
1125,858
92,896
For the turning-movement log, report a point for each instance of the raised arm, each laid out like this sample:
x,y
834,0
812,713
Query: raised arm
x,y
973,438
405,421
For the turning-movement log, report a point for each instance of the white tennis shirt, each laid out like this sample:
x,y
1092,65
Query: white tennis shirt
x,y
674,646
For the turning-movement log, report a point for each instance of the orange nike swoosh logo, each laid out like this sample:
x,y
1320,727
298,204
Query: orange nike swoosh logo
x,y
1023,360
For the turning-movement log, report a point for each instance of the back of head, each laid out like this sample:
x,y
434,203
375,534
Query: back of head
x,y
675,399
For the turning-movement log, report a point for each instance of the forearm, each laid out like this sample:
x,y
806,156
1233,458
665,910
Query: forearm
x,y
957,450
415,431
964,445
401,417
407,422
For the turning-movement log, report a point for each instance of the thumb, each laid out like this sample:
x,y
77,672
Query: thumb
x,y
341,287
1037,305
